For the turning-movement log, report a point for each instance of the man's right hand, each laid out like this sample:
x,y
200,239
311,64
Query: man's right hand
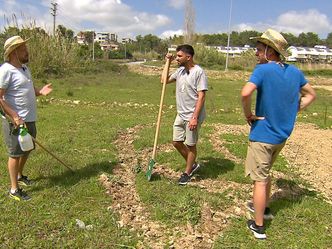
x,y
18,121
252,118
169,56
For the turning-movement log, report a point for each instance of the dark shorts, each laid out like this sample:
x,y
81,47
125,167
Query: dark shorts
x,y
11,138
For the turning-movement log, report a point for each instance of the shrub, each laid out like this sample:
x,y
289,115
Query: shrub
x,y
49,55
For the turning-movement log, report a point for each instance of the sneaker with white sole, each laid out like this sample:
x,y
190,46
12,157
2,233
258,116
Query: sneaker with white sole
x,y
19,195
194,169
258,231
184,179
267,212
25,181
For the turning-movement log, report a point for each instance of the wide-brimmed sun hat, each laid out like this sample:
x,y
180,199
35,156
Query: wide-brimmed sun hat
x,y
11,44
274,40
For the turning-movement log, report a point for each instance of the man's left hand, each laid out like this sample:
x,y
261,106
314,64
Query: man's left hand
x,y
47,89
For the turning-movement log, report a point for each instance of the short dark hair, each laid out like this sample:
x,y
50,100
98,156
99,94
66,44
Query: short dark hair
x,y
186,48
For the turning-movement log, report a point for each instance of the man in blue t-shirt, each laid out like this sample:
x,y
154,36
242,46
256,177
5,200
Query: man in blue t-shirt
x,y
282,91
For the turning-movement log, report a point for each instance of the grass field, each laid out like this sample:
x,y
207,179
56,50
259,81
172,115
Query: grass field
x,y
80,122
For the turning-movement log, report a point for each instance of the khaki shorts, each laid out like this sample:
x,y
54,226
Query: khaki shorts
x,y
260,158
11,138
182,133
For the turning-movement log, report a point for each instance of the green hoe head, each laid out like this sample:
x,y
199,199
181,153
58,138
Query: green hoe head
x,y
150,168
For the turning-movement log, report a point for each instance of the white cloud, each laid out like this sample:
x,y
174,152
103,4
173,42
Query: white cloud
x,y
294,22
170,33
102,15
112,16
176,4
243,27
303,21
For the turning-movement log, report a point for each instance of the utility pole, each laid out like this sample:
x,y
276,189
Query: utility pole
x,y
53,13
93,45
229,34
189,23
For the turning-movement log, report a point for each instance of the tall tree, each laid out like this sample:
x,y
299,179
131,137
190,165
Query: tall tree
x,y
328,40
290,38
64,32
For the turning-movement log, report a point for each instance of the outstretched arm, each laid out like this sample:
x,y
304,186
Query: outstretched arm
x,y
45,90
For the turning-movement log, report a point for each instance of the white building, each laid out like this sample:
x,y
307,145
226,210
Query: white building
x,y
106,40
233,51
315,54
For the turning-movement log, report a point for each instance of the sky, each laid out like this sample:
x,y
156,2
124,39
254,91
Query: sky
x,y
165,18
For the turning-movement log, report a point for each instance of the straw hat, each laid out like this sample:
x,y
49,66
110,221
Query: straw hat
x,y
274,40
11,44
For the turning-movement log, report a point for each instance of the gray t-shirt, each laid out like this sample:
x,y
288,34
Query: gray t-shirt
x,y
19,91
187,88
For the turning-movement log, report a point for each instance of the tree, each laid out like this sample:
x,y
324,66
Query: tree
x,y
89,36
64,32
244,38
290,38
234,39
328,41
309,39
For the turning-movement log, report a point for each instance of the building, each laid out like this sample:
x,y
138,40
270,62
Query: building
x,y
106,40
127,40
305,54
80,38
233,51
102,37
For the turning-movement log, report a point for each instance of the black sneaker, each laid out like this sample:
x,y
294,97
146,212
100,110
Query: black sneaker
x,y
19,195
195,167
267,212
184,179
25,181
259,231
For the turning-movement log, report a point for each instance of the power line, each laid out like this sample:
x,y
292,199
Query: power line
x,y
68,21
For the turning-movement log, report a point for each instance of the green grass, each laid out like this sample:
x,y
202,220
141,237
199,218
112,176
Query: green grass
x,y
304,222
80,122
180,205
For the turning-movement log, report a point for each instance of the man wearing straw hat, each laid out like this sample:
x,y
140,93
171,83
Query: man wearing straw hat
x,y
18,101
282,91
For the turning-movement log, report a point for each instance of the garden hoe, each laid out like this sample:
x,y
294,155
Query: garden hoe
x,y
153,159
4,116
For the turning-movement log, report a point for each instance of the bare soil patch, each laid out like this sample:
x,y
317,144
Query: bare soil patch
x,y
308,150
135,215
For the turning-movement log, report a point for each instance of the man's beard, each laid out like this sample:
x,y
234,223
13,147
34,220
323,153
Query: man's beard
x,y
25,60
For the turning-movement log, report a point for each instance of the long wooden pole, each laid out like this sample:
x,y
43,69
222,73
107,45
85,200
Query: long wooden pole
x,y
165,78
52,154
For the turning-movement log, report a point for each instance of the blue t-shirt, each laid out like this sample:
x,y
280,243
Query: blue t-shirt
x,y
278,95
